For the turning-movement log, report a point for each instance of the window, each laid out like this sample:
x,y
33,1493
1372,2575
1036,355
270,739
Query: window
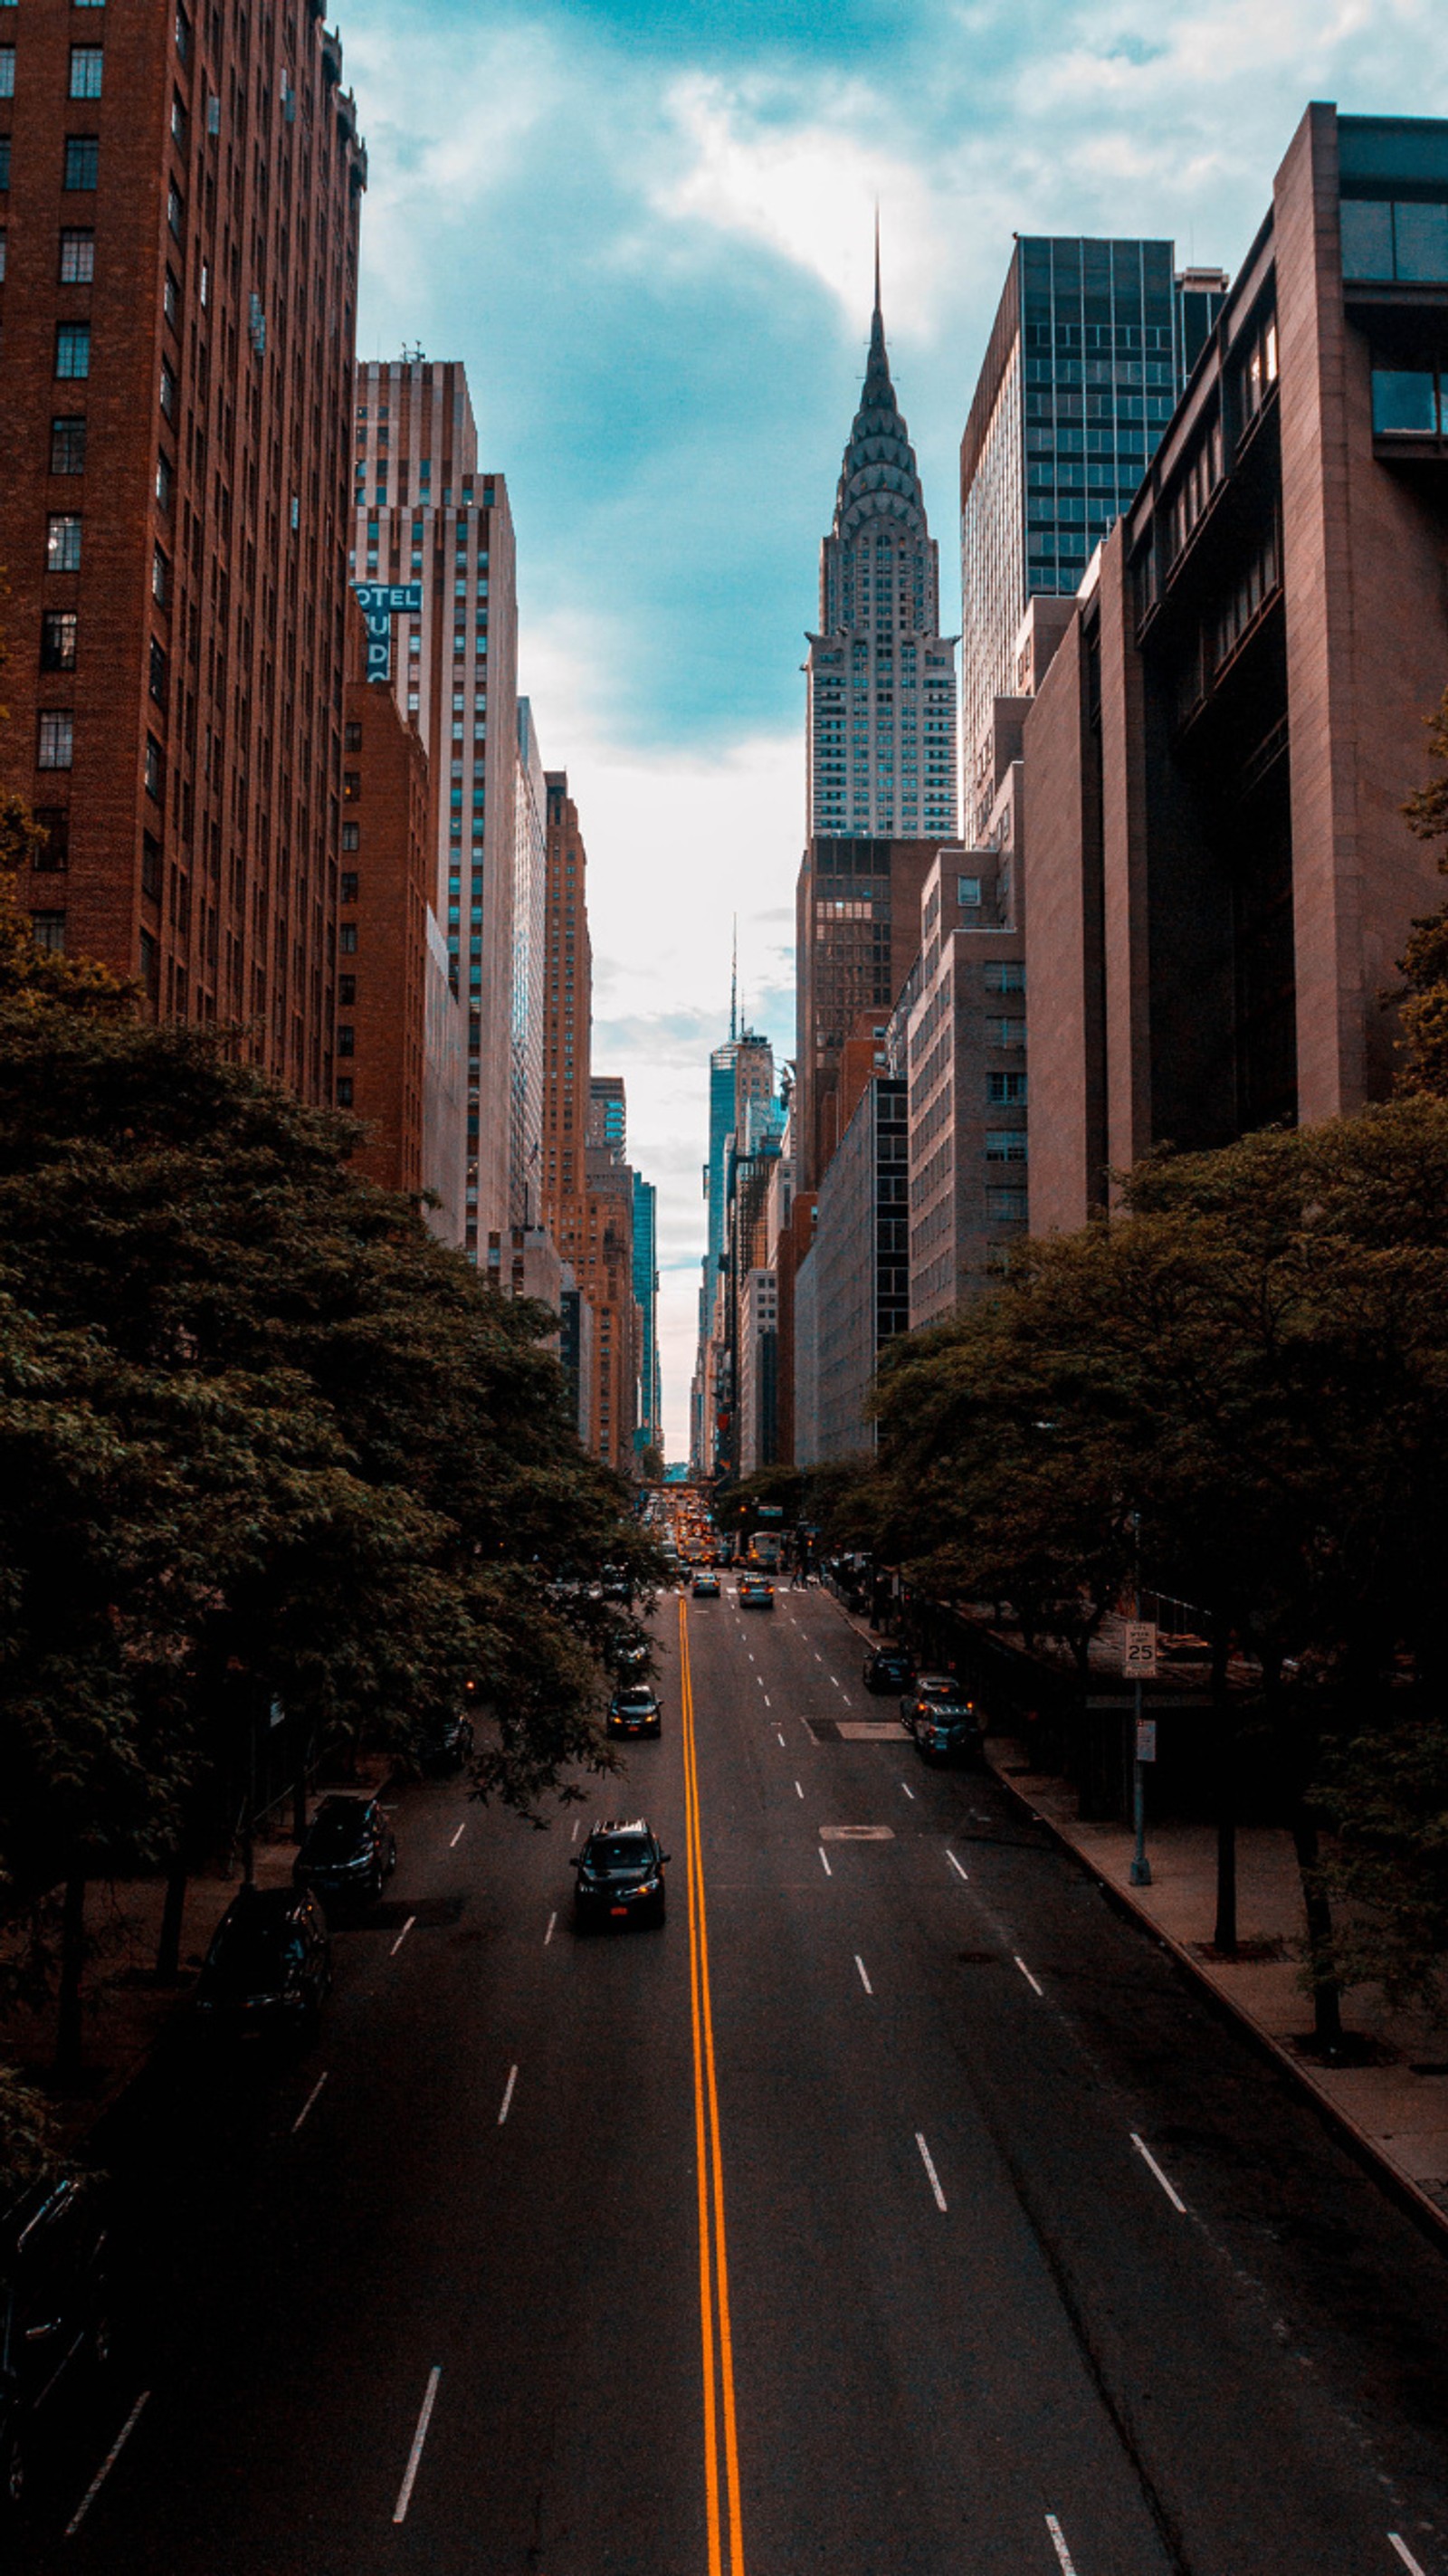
x,y
7,71
51,852
57,639
77,256
151,866
347,939
351,785
967,893
150,965
87,62
1006,975
349,885
163,482
346,1038
351,840
82,160
347,992
168,389
344,1091
72,349
1005,1088
1406,239
160,577
1407,402
178,121
62,542
1006,1207
183,35
47,929
171,298
4,160
176,213
155,770
158,672
53,748
2,250
67,444
1005,1144
352,737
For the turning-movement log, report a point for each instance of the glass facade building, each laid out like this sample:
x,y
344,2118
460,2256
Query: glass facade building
x,y
1092,343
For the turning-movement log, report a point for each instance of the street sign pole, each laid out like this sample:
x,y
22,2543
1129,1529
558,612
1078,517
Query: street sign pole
x,y
1140,1865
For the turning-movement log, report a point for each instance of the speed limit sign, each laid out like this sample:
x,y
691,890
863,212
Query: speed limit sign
x,y
1139,1651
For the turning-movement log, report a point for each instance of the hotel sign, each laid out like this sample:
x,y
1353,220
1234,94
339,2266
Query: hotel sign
x,y
380,602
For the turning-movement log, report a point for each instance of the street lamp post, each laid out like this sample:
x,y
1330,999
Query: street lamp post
x,y
1141,1656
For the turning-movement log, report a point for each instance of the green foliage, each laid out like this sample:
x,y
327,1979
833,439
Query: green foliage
x,y
1424,962
1386,1793
260,1435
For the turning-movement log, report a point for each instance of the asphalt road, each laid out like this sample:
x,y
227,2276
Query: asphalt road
x,y
896,2208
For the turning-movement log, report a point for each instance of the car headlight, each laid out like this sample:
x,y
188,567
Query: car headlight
x,y
646,1887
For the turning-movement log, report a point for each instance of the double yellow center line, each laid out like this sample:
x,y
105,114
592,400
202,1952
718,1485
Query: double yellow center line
x,y
720,2428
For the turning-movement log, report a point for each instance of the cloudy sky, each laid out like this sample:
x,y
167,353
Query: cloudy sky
x,y
646,229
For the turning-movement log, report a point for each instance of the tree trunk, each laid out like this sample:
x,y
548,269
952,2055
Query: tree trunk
x,y
72,1960
1326,1992
299,1782
168,1946
1224,1938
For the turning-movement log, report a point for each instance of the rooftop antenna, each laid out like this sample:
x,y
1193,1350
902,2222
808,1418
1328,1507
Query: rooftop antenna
x,y
734,986
877,254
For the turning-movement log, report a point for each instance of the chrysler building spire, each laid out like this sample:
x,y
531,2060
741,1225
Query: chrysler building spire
x,y
881,676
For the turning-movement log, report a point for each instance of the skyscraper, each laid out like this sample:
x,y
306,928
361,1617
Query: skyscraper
x,y
1092,343
530,904
881,677
646,1298
178,308
567,1028
426,516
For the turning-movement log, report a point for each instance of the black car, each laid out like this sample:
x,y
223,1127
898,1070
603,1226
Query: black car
x,y
887,1668
941,1718
348,1850
620,1876
269,1966
629,1658
446,1744
756,1592
53,2313
634,1710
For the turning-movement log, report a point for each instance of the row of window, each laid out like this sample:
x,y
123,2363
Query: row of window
x,y
87,71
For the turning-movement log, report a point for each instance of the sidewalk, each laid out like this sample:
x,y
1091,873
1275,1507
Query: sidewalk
x,y
1393,2113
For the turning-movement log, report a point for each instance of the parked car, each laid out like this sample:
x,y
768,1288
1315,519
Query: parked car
x,y
634,1710
349,1851
53,2307
446,1744
620,1875
706,1584
941,1718
887,1668
269,1967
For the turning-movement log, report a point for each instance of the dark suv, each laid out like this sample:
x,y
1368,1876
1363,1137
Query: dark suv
x,y
52,2307
620,1876
269,1966
887,1668
348,1851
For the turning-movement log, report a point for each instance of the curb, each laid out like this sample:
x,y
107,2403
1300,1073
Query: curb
x,y
1399,2187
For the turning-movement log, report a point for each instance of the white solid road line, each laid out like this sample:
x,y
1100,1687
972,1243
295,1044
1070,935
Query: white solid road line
x,y
824,1856
1058,2543
1405,2553
864,1980
402,1936
457,1838
404,2492
955,1865
573,1837
552,1926
306,2106
798,1791
1173,2195
1025,1972
106,2466
928,2162
909,1792
508,2094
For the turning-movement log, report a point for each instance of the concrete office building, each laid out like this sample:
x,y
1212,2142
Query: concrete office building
x,y
857,933
1091,345
1219,877
741,1073
646,1298
530,932
965,1048
758,1346
880,676
852,1290
424,514
179,196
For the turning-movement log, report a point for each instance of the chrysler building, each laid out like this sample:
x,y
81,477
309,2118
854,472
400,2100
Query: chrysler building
x,y
882,713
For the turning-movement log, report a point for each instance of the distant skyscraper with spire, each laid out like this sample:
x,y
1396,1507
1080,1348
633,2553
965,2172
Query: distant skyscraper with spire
x,y
882,708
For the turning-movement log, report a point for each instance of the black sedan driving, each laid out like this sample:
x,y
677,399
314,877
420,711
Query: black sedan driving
x,y
620,1876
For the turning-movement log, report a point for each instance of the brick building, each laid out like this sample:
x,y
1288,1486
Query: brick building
x,y
179,193
1219,876
399,1035
424,514
852,1286
857,933
965,1047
